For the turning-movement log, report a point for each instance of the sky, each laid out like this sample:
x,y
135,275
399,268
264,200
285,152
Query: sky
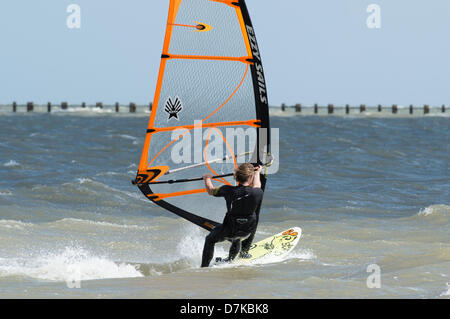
x,y
314,51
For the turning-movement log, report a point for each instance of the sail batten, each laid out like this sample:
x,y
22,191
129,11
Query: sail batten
x,y
243,59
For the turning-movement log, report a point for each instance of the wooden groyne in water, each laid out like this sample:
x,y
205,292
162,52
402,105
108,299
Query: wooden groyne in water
x,y
65,106
362,109
297,109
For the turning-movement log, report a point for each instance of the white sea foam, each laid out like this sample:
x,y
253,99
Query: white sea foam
x,y
11,163
134,195
14,224
446,293
127,137
100,223
108,174
83,110
426,211
191,246
83,180
303,254
435,210
68,265
5,193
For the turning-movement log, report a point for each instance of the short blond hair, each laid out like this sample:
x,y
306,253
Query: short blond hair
x,y
244,172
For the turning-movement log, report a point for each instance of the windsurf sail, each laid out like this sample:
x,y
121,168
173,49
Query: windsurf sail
x,y
210,109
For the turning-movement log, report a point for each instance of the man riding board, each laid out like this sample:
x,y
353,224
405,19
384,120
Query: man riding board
x,y
241,219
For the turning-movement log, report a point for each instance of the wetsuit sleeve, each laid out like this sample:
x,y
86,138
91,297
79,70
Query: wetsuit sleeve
x,y
258,193
221,191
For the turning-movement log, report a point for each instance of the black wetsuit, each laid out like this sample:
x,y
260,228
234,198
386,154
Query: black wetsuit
x,y
240,221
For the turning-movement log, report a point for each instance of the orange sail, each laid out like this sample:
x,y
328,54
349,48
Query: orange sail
x,y
210,83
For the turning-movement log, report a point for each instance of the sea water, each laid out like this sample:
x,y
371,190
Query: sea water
x,y
370,193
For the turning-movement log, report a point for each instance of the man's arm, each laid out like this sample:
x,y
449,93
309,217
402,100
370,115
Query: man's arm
x,y
257,177
208,184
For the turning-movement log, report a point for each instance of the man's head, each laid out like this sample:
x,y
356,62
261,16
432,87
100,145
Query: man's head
x,y
244,173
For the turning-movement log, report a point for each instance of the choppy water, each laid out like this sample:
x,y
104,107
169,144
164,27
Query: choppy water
x,y
365,191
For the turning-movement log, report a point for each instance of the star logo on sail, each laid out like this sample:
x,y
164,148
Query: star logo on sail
x,y
173,107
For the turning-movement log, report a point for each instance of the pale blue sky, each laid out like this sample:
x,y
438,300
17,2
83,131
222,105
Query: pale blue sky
x,y
314,51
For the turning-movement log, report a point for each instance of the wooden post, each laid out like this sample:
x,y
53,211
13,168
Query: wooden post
x,y
298,108
426,109
443,108
99,105
380,108
49,107
117,107
14,106
411,109
362,108
283,107
30,106
132,108
347,109
83,105
316,108
64,106
394,109
330,108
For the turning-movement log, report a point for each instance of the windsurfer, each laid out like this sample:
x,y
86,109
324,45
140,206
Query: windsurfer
x,y
241,219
